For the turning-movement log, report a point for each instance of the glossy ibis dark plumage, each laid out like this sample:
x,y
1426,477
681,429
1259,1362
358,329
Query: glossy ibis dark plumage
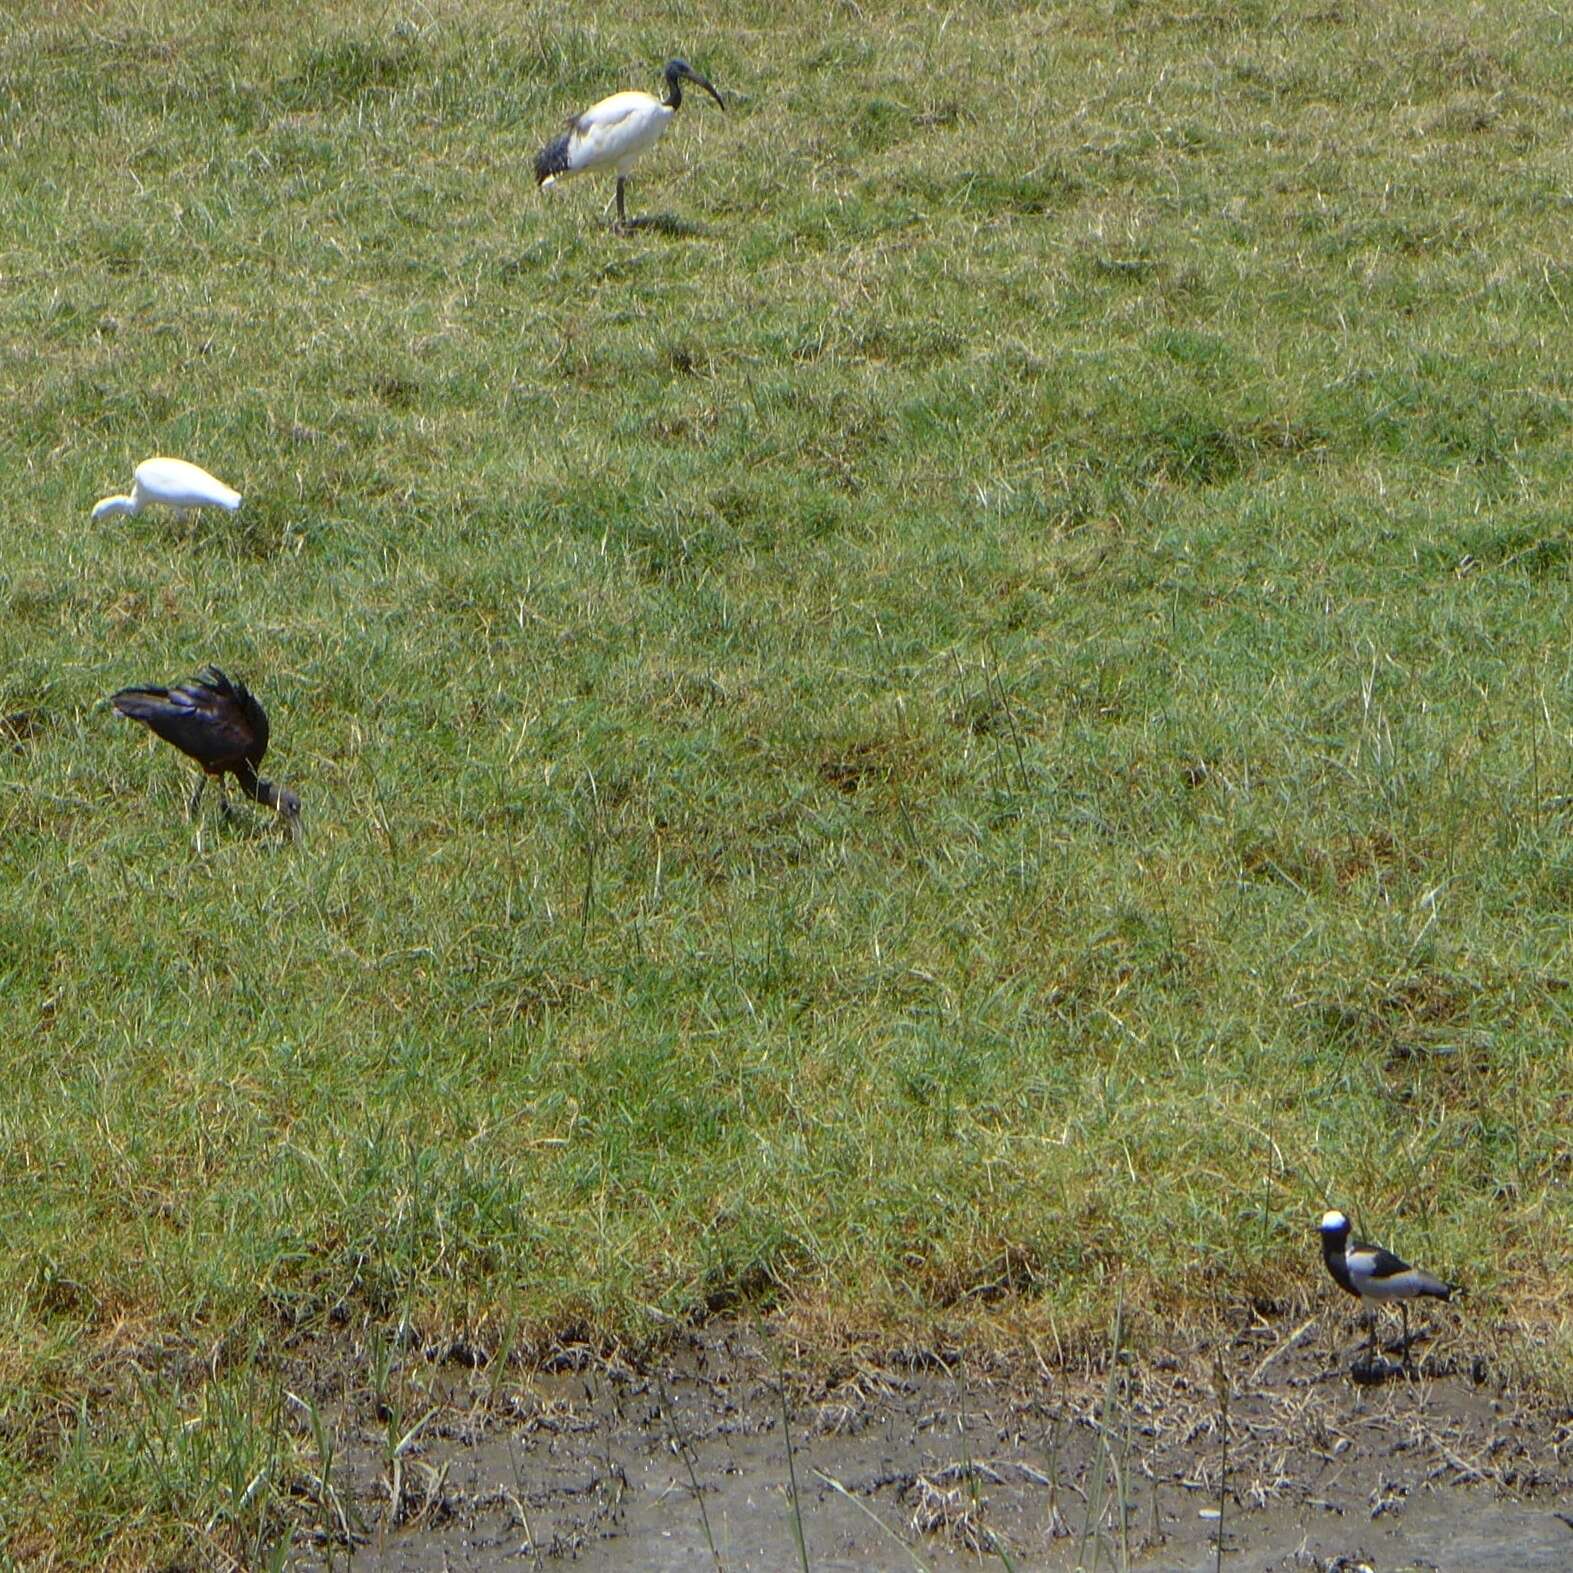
x,y
219,724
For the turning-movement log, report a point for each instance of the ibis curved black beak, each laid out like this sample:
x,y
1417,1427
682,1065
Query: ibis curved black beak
x,y
704,82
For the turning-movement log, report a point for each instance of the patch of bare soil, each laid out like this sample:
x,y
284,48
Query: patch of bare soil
x,y
912,1460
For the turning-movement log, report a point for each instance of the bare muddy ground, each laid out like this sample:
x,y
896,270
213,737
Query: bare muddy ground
x,y
921,1461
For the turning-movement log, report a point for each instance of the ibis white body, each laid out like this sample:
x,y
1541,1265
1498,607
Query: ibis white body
x,y
174,483
614,134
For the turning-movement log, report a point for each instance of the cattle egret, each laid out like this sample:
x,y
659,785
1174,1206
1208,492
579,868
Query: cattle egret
x,y
219,725
615,132
174,483
1374,1274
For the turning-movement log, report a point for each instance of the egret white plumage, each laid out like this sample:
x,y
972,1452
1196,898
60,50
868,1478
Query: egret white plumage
x,y
615,132
174,483
1375,1274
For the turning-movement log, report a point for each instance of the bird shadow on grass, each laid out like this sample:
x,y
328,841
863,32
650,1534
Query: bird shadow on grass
x,y
268,841
239,824
668,224
254,535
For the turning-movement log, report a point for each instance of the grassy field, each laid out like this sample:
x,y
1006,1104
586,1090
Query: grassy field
x,y
975,722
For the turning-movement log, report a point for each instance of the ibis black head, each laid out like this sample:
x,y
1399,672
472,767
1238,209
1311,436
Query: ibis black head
x,y
678,72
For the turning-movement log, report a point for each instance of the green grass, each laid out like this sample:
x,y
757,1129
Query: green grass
x,y
976,724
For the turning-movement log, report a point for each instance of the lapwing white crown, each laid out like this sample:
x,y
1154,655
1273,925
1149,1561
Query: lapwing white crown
x,y
174,483
1372,1273
614,133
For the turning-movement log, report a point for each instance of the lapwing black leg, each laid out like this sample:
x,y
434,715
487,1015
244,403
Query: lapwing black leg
x,y
1403,1305
196,798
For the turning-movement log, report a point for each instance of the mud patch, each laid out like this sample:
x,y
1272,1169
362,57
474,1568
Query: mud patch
x,y
918,1461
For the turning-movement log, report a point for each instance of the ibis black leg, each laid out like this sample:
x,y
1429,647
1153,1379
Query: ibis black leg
x,y
223,799
196,798
622,212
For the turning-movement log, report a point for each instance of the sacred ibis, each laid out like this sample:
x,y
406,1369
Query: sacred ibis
x,y
1374,1274
174,483
222,727
615,132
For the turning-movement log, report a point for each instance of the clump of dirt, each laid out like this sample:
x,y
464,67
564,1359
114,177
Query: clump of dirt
x,y
720,1455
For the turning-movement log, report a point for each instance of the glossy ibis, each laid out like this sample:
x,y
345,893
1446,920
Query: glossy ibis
x,y
174,483
219,724
616,132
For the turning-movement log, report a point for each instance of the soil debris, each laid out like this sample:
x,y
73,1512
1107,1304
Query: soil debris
x,y
899,1463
